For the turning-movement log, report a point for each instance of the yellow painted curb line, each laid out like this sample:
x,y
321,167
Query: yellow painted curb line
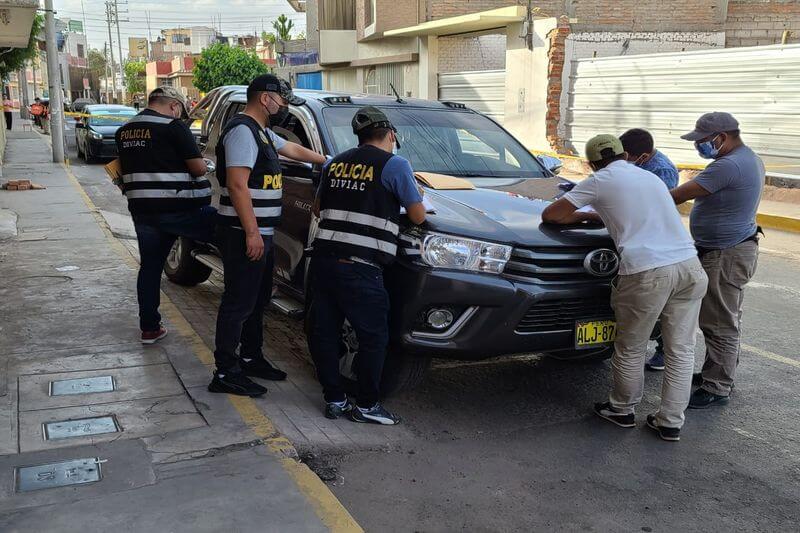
x,y
325,504
764,220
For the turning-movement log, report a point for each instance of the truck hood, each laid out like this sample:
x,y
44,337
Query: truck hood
x,y
508,210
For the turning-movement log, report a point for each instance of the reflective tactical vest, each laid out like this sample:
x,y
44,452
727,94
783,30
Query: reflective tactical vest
x,y
359,217
154,174
265,182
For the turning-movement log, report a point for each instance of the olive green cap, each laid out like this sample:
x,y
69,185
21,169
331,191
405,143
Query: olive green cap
x,y
602,147
370,117
171,92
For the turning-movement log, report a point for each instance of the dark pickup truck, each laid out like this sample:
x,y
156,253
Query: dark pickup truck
x,y
482,277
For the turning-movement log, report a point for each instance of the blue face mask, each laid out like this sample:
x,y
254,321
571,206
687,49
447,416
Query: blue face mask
x,y
707,149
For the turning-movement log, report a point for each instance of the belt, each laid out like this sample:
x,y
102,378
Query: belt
x,y
701,251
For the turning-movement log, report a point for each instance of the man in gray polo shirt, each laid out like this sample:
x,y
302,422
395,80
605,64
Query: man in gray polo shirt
x,y
723,224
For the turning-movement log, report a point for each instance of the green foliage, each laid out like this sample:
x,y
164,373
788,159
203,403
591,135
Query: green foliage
x,y
135,76
12,59
267,38
283,28
221,64
97,62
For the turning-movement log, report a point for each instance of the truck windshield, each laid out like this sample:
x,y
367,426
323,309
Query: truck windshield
x,y
446,142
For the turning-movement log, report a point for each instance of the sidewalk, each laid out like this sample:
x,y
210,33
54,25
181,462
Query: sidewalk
x,y
161,453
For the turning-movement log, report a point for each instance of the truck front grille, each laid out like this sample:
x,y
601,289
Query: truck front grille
x,y
549,265
560,315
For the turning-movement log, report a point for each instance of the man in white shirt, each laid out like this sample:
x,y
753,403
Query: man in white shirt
x,y
659,275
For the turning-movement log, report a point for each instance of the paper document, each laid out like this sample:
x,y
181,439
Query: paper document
x,y
427,203
587,209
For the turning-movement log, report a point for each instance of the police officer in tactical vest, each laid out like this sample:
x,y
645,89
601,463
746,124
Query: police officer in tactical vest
x,y
358,203
250,180
168,195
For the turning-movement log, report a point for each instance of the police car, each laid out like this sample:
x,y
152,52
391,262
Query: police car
x,y
482,277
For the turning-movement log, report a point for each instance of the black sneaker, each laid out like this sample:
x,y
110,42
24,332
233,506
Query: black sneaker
x,y
334,410
656,362
604,410
376,415
235,383
702,399
258,367
668,434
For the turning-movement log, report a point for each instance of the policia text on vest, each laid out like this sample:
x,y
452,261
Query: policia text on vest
x,y
163,178
358,202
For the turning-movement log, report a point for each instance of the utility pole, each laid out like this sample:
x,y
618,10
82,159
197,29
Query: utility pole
x,y
149,37
54,82
119,45
22,81
111,48
105,73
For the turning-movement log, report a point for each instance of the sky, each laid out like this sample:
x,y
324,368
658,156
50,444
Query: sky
x,y
238,17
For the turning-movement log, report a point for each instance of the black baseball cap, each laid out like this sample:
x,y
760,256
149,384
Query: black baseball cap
x,y
370,117
273,84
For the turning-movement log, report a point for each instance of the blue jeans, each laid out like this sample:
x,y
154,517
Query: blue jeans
x,y
248,289
156,233
352,291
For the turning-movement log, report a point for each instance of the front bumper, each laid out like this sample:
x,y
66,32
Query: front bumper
x,y
106,148
498,312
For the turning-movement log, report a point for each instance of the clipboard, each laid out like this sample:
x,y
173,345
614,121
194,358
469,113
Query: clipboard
x,y
114,172
443,182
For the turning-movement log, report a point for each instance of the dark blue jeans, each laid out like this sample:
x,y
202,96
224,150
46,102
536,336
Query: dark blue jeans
x,y
352,291
248,289
156,233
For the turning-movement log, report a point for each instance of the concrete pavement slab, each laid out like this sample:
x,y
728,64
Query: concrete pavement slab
x,y
116,355
195,495
8,224
137,382
136,418
126,466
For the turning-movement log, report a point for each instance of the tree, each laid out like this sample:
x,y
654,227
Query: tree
x,y
13,59
221,64
268,38
134,76
283,28
97,62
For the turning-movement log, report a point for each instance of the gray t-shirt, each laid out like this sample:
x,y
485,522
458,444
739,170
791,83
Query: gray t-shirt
x,y
241,149
727,216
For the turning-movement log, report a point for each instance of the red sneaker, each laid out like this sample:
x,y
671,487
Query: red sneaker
x,y
150,337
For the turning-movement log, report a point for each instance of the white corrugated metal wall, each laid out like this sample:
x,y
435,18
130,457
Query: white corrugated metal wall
x,y
665,93
481,90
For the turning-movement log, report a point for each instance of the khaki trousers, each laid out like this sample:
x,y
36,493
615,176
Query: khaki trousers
x,y
674,293
728,272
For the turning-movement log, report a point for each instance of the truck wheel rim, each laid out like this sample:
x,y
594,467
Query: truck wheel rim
x,y
174,257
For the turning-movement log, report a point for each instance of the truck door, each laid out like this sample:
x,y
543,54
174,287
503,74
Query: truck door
x,y
291,237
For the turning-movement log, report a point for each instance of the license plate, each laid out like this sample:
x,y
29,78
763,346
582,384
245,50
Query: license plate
x,y
591,333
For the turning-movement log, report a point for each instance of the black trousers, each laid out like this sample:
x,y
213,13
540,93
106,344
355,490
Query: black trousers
x,y
248,288
8,119
352,291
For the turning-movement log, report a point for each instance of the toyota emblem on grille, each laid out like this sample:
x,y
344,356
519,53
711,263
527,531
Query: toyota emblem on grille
x,y
602,262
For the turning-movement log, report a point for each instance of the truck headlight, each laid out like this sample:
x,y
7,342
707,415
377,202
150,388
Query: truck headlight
x,y
94,135
458,253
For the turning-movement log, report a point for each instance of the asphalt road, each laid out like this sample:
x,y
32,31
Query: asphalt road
x,y
511,445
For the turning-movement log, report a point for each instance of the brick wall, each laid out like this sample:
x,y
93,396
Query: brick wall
x,y
555,69
647,15
481,52
761,22
451,8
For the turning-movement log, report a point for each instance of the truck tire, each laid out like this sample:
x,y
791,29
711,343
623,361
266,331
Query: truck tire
x,y
401,371
183,269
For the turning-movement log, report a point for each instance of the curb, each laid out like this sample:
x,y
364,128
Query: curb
x,y
776,222
324,503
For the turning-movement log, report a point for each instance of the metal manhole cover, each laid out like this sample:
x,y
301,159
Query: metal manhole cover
x,y
67,429
75,472
82,386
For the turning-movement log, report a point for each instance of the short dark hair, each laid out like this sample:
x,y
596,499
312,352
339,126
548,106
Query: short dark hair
x,y
637,142
252,95
733,133
373,134
158,99
608,159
